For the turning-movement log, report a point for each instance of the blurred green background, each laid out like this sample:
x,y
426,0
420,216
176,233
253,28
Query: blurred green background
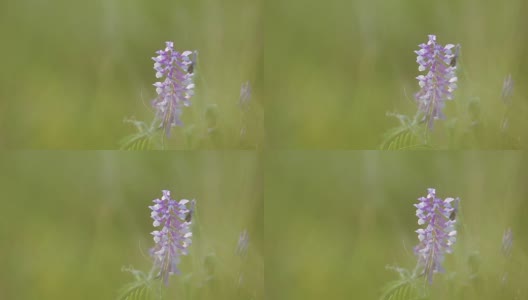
x,y
72,220
333,70
72,71
335,220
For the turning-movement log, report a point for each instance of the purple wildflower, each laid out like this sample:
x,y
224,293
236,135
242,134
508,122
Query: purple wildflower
x,y
243,243
438,233
245,96
439,82
244,104
174,237
507,90
176,87
507,242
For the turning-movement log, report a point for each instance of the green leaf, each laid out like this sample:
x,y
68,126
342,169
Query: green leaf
x,y
137,142
146,138
404,139
410,135
138,290
401,290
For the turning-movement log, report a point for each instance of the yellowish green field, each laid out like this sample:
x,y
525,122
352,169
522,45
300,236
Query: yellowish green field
x,y
72,220
336,219
73,71
333,69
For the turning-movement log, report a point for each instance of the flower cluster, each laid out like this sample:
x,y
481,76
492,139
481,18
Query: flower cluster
x,y
438,84
176,86
174,238
437,234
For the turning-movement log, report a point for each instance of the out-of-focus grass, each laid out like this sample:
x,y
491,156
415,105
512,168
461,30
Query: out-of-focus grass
x,y
73,70
333,69
71,221
336,219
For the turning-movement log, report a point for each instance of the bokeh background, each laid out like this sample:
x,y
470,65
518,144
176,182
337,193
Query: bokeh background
x,y
72,220
333,70
74,70
335,220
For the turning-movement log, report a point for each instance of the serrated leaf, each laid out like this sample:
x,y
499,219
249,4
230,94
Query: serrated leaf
x,y
136,142
408,136
404,139
400,290
139,290
144,139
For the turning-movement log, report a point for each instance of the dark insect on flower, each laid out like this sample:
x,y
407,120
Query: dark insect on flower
x,y
190,69
188,216
452,217
453,62
453,214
